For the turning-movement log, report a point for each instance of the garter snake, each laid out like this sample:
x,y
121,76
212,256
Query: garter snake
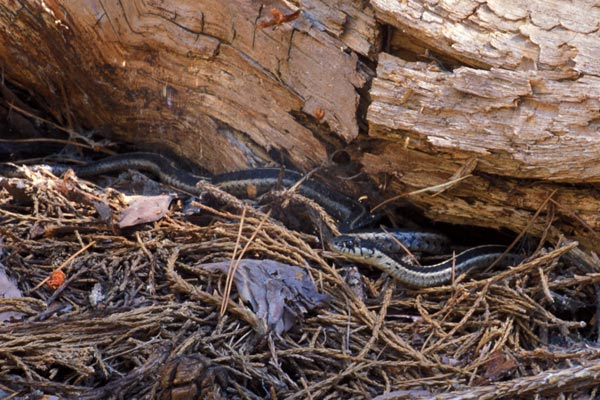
x,y
372,247
369,252
349,213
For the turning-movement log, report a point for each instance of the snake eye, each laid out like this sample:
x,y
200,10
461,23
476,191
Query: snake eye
x,y
344,242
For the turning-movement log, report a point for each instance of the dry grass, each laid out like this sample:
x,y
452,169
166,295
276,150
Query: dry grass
x,y
530,330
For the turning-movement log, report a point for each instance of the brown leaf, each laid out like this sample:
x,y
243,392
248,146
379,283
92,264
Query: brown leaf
x,y
278,293
143,209
8,289
192,377
498,366
104,211
319,114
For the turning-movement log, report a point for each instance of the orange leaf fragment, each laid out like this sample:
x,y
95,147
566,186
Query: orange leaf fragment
x,y
279,18
319,114
57,278
277,15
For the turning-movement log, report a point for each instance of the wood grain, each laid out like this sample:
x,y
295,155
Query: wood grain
x,y
512,88
201,79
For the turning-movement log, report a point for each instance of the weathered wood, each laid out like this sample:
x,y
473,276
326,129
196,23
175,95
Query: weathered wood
x,y
483,199
508,87
514,34
511,86
523,124
202,79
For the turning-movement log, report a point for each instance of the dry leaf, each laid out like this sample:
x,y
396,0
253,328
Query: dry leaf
x,y
278,18
278,293
143,209
319,114
8,289
498,366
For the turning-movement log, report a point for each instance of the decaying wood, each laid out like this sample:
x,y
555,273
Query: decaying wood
x,y
203,80
522,124
515,35
511,86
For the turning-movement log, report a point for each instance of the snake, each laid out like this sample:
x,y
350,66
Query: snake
x,y
377,248
417,276
349,213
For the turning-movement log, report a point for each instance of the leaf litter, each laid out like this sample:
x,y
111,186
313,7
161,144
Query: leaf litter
x,y
142,302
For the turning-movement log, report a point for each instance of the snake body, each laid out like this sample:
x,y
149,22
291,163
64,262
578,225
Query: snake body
x,y
369,247
399,240
349,213
369,252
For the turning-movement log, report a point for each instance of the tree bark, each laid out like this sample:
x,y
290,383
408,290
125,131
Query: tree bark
x,y
512,86
200,78
504,95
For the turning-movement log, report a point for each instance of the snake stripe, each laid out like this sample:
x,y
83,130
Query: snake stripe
x,y
350,213
422,276
416,241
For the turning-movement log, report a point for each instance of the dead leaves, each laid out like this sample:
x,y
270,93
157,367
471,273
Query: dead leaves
x,y
8,289
498,366
191,377
278,293
144,209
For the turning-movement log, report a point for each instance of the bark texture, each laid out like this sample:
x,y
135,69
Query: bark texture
x,y
506,90
203,79
505,94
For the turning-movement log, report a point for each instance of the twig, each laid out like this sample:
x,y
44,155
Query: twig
x,y
229,279
434,188
231,272
72,133
67,261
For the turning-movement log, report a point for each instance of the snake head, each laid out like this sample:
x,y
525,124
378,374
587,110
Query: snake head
x,y
343,242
